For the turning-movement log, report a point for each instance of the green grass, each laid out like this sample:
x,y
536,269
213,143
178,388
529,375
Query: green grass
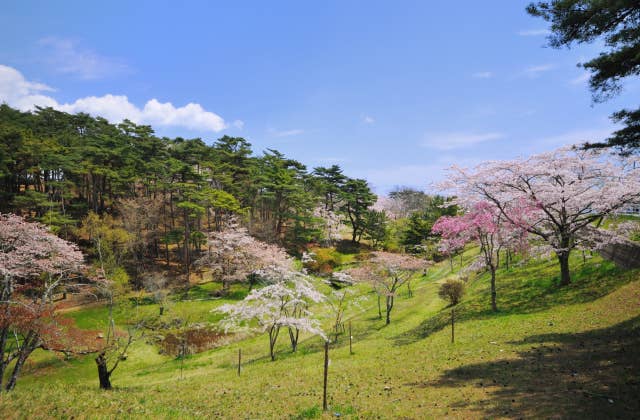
x,y
547,352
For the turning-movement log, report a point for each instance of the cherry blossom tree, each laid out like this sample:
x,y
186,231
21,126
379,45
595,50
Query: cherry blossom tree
x,y
234,256
449,245
331,224
283,304
34,264
337,302
387,272
485,224
556,196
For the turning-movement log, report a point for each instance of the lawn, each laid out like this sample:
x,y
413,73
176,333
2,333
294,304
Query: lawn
x,y
547,352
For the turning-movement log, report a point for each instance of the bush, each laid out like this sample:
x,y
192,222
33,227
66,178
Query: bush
x,y
323,261
452,290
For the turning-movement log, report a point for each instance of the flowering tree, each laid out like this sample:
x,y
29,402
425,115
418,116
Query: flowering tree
x,y
34,264
337,302
556,196
331,224
485,224
387,272
452,242
283,304
234,255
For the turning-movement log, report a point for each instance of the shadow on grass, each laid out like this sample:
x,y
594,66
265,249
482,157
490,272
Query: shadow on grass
x,y
526,290
595,374
212,291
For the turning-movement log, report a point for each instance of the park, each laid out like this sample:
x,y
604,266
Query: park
x,y
160,261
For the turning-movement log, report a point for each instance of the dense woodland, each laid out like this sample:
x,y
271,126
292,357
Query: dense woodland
x,y
155,198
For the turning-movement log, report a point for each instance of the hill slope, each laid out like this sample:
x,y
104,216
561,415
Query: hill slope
x,y
548,352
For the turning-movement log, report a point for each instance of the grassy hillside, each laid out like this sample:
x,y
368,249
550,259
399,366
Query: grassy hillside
x,y
548,352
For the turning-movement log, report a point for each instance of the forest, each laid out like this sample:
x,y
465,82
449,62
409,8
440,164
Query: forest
x,y
158,196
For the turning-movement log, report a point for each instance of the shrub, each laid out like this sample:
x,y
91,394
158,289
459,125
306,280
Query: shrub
x,y
452,290
322,261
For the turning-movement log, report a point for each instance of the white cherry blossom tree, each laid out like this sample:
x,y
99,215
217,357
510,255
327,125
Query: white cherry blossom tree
x,y
387,272
34,263
283,304
235,256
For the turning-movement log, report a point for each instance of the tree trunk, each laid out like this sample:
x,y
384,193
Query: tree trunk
x,y
389,307
30,343
16,370
3,341
379,308
187,233
494,306
293,336
103,371
565,275
273,336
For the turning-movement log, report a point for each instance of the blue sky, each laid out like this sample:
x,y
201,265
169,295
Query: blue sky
x,y
391,91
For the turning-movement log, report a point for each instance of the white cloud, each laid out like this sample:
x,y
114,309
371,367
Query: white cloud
x,y
18,92
285,133
482,75
66,56
450,141
239,124
534,32
21,93
367,119
535,71
580,79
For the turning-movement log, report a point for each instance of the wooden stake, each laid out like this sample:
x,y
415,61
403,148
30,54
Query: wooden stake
x,y
239,360
326,371
350,339
452,326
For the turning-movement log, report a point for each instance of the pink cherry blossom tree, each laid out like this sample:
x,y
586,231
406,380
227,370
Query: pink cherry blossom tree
x,y
34,264
485,224
453,237
387,272
283,304
556,196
